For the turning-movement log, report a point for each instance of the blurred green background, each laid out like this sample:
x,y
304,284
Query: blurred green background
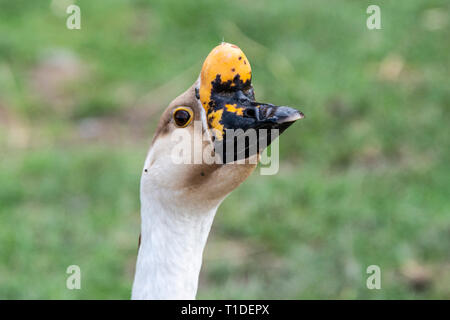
x,y
363,180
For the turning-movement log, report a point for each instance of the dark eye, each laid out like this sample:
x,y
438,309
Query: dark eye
x,y
182,116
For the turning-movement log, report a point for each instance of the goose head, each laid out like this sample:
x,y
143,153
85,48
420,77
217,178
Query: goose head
x,y
208,141
197,155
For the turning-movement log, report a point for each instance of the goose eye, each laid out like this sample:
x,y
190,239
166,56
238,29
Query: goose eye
x,y
182,116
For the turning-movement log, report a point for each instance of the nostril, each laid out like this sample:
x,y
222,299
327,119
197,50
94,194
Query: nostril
x,y
250,113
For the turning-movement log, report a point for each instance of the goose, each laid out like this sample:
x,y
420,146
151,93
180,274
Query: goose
x,y
179,200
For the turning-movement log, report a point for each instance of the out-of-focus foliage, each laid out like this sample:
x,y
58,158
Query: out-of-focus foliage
x,y
363,180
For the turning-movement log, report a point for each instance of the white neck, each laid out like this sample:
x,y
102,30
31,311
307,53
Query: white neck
x,y
172,242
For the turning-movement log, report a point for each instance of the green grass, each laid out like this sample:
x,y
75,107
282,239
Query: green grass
x,y
363,180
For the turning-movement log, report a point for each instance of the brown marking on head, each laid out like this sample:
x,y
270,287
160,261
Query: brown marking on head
x,y
139,241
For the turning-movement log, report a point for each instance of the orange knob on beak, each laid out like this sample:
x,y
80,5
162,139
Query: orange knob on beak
x,y
223,64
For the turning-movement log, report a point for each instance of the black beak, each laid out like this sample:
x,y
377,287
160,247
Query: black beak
x,y
274,117
253,128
